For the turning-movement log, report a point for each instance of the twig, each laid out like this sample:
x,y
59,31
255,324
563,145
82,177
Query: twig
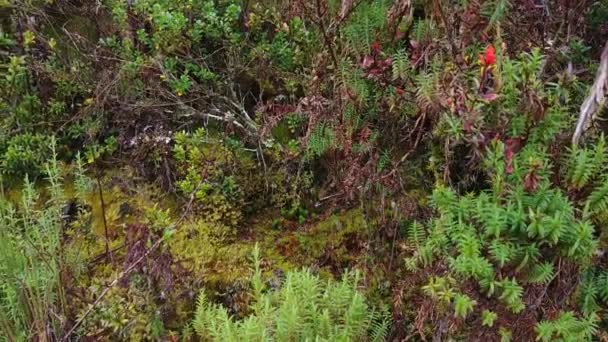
x,y
103,214
325,33
595,98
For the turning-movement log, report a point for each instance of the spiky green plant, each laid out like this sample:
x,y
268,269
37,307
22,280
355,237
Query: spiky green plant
x,y
304,308
32,298
567,327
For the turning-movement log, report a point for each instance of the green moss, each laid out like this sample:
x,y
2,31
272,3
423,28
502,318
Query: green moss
x,y
224,181
208,251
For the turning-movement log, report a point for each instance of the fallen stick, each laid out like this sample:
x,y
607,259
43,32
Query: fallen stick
x,y
595,98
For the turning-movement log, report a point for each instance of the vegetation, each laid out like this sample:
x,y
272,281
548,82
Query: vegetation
x,y
303,308
399,170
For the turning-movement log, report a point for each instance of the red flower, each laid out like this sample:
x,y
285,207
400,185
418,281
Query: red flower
x,y
489,58
376,47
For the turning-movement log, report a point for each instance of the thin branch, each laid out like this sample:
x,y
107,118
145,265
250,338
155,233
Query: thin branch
x,y
103,214
595,99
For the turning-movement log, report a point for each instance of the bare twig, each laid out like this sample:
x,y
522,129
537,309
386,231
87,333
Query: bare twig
x,y
595,98
103,215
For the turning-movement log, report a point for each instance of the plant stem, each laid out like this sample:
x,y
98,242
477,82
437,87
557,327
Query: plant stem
x,y
103,215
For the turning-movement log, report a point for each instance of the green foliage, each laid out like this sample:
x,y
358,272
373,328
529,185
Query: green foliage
x,y
520,211
511,293
362,27
303,308
25,153
584,164
440,289
220,179
401,67
424,31
567,328
321,140
32,294
541,273
488,318
598,199
416,234
463,305
496,10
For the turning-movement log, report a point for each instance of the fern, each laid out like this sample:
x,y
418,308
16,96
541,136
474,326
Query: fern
x,y
597,202
364,24
381,323
304,308
488,317
602,281
401,66
588,296
426,89
463,305
415,234
511,293
320,140
502,252
424,31
567,328
496,10
541,273
585,163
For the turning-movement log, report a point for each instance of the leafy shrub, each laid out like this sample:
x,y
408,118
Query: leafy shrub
x,y
25,153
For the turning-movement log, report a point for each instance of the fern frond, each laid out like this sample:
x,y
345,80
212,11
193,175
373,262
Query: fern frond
x,y
496,10
416,234
598,199
588,295
541,273
585,163
401,66
320,140
463,305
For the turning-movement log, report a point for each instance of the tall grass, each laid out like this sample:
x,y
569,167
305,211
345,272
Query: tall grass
x,y
32,298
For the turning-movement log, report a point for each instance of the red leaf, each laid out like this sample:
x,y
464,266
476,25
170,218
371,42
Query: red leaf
x,y
512,146
531,181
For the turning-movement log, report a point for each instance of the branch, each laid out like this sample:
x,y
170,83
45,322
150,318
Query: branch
x,y
595,99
